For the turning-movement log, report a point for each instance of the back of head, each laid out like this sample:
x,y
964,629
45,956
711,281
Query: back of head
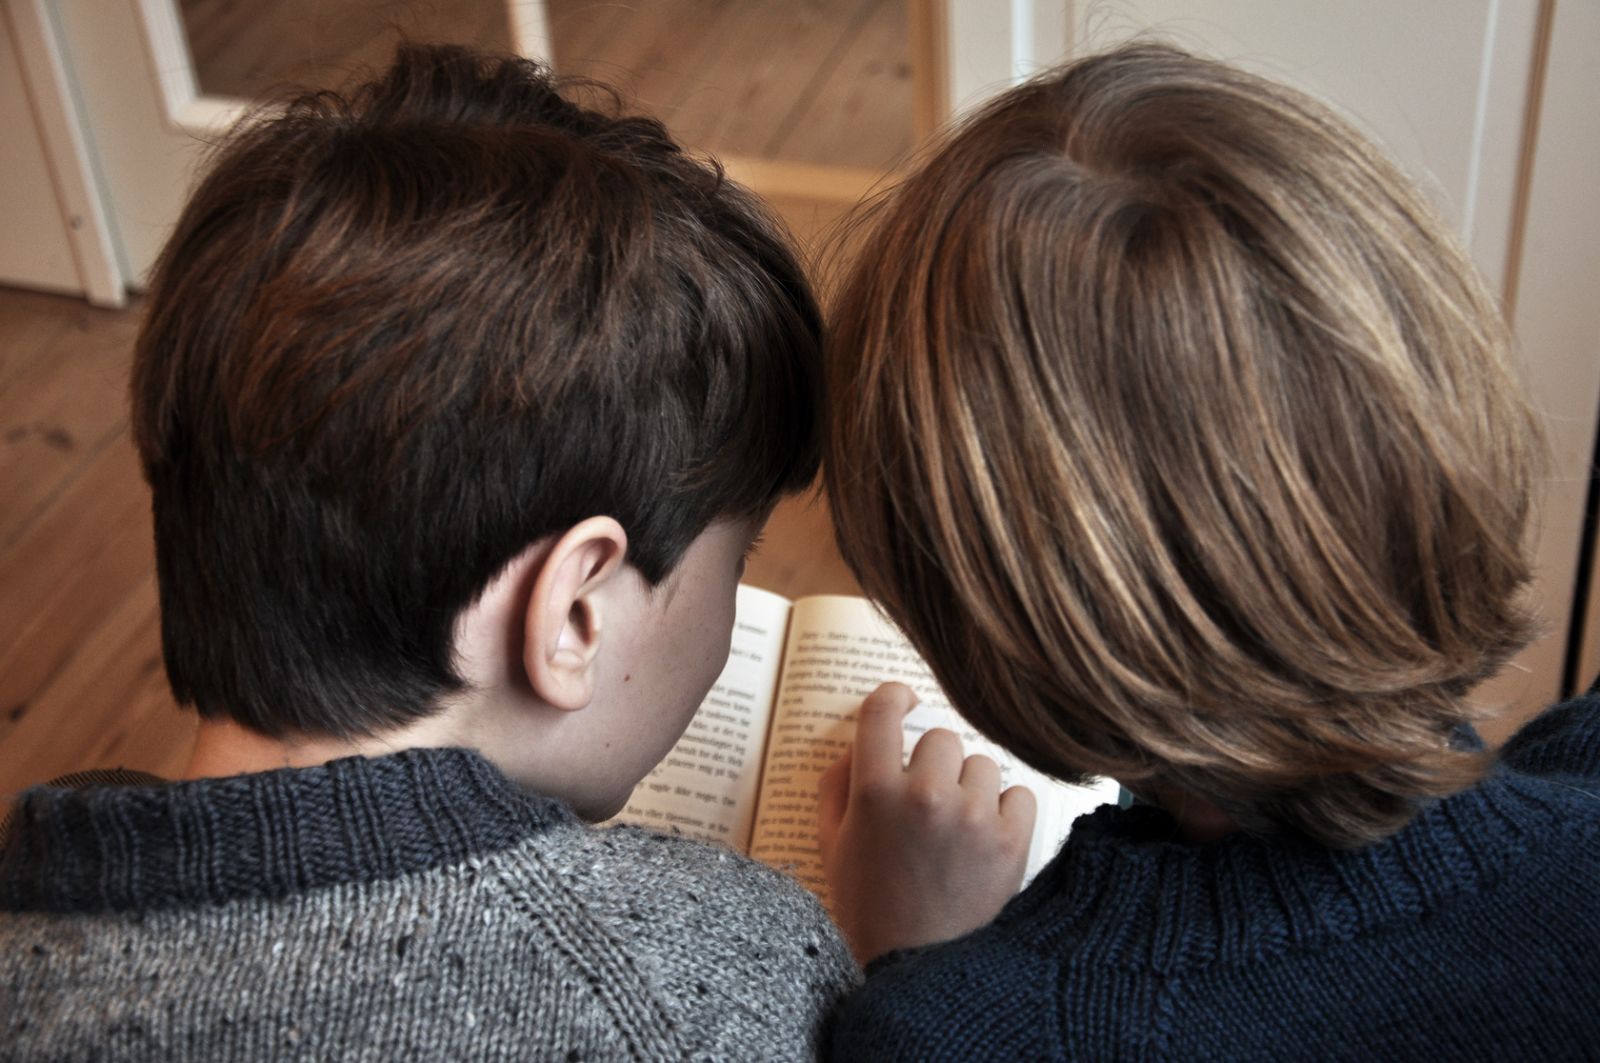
x,y
401,335
1182,438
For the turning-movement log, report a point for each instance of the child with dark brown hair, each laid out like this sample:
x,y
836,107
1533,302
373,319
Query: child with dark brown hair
x,y
461,404
1185,443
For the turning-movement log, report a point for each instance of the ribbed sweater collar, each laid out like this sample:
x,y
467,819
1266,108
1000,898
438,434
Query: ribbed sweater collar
x,y
1125,892
269,834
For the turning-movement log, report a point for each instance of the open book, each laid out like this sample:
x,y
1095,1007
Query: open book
x,y
745,772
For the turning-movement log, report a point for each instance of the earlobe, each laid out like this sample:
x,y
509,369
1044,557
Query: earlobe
x,y
566,612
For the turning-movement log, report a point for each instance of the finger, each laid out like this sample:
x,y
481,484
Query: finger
x,y
937,756
980,777
879,739
1018,809
833,797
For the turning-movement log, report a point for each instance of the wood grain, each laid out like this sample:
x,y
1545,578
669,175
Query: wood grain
x,y
819,81
246,48
73,567
62,387
95,713
81,683
857,111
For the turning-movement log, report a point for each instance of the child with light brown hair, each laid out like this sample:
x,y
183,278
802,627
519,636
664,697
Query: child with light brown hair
x,y
1184,441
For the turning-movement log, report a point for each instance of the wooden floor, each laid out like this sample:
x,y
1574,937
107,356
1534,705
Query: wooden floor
x,y
81,683
817,81
81,680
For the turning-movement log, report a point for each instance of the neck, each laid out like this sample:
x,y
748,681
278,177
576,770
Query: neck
x,y
224,747
1200,820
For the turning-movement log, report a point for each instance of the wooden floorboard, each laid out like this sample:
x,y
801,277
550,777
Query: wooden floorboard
x,y
74,567
93,712
59,405
245,48
32,323
858,111
760,65
81,683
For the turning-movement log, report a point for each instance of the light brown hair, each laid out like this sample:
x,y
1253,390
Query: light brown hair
x,y
1182,438
403,332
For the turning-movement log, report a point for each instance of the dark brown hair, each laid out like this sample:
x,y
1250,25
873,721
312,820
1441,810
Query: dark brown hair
x,y
1183,439
401,334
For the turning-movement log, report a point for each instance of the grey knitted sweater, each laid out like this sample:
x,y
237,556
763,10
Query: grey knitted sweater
x,y
406,907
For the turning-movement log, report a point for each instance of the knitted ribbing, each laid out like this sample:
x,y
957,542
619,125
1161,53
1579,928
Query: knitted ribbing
x,y
1472,934
263,835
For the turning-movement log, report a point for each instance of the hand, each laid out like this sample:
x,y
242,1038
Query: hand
x,y
918,854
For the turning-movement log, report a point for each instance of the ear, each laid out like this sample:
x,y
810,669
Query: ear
x,y
566,611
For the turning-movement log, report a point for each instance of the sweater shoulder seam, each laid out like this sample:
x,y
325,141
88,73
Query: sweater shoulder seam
x,y
565,921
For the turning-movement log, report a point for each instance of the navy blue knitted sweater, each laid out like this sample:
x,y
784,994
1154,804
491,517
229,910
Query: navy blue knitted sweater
x,y
1472,934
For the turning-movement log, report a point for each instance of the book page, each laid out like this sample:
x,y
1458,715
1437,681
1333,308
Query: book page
x,y
839,650
706,786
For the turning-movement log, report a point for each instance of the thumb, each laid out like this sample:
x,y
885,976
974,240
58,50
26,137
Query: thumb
x,y
833,797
